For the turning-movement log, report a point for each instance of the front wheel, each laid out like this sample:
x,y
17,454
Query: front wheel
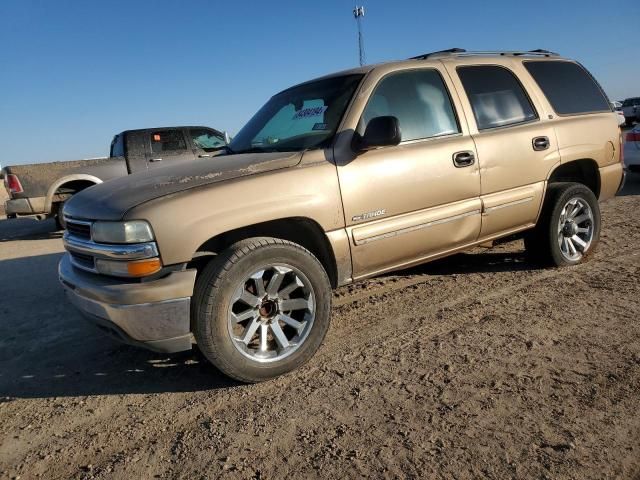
x,y
261,308
569,226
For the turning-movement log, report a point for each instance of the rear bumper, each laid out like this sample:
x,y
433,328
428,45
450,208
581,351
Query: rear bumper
x,y
18,206
154,315
25,206
611,180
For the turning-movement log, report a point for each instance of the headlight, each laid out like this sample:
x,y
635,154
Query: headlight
x,y
138,268
135,231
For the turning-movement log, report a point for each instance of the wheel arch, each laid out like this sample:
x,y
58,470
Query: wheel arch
x,y
301,230
80,180
584,171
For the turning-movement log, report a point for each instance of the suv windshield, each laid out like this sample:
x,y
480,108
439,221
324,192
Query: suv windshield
x,y
300,118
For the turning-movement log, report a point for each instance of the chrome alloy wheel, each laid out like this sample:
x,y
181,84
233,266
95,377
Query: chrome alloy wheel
x,y
575,229
271,313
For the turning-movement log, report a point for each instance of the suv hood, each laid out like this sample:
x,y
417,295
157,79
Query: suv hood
x,y
111,200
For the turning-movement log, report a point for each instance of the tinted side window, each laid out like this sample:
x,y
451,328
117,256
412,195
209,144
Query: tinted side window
x,y
206,139
496,96
569,88
420,101
117,146
167,140
630,102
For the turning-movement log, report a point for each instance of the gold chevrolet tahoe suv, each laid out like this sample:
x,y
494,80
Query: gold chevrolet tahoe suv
x,y
338,179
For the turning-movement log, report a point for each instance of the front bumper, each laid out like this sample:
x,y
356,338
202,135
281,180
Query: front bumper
x,y
154,315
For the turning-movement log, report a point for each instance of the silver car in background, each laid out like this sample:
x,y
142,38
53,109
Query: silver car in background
x,y
631,110
632,149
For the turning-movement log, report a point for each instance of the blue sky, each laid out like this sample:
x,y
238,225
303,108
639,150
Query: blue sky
x,y
73,73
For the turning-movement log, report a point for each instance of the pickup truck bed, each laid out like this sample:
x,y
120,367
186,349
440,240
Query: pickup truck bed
x,y
40,189
43,191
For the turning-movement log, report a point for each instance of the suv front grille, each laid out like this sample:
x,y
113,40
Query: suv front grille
x,y
80,230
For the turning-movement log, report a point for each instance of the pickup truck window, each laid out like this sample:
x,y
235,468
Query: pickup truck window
x,y
569,87
117,146
167,140
300,118
420,101
206,139
496,96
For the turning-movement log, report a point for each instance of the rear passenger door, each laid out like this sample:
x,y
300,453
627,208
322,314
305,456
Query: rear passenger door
x,y
516,147
167,146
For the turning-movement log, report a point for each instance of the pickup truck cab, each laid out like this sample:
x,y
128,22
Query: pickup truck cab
x,y
338,179
41,189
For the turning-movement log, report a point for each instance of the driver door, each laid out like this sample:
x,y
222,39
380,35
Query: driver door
x,y
406,203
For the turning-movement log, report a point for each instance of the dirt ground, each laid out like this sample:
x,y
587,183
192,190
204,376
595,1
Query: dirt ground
x,y
4,196
480,365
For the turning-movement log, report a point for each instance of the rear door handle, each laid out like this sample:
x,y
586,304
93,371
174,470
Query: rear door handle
x,y
540,143
204,155
155,160
464,159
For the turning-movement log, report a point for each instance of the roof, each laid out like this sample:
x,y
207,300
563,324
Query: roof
x,y
439,55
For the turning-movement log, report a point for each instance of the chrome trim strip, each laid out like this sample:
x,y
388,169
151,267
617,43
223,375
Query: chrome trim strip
x,y
134,251
416,227
508,204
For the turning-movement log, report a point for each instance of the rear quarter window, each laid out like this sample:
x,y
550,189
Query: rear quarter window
x,y
117,146
167,141
570,89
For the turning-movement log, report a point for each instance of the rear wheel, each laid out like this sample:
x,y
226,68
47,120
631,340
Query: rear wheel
x,y
569,226
261,308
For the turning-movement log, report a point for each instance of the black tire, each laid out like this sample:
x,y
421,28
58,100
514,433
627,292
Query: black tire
x,y
57,214
213,297
629,121
542,243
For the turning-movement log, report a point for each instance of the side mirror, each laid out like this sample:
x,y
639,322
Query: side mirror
x,y
380,132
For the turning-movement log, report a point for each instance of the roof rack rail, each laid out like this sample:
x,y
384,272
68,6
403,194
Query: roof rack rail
x,y
450,51
461,52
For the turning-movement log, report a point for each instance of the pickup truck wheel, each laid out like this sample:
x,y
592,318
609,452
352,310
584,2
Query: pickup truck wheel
x,y
261,308
569,226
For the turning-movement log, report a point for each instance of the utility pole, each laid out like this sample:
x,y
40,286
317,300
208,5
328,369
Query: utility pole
x,y
358,13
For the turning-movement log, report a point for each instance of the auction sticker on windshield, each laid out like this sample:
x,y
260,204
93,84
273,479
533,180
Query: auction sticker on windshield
x,y
309,112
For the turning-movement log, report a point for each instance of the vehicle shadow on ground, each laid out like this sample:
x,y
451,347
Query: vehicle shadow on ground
x,y
28,229
477,261
48,350
631,185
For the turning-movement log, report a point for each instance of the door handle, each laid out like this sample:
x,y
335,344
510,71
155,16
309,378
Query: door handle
x,y
155,160
204,155
464,159
540,143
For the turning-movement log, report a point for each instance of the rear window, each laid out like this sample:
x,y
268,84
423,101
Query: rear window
x,y
569,88
167,140
630,102
117,146
496,96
